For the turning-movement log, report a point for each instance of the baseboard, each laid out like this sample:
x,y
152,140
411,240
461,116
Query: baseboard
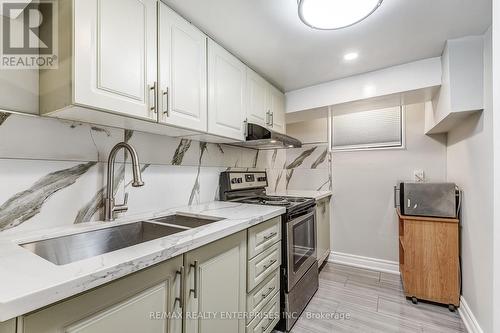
x,y
468,317
380,265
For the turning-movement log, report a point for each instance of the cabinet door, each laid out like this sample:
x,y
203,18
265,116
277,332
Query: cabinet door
x,y
216,283
182,72
115,56
226,93
257,96
323,229
138,303
8,326
277,107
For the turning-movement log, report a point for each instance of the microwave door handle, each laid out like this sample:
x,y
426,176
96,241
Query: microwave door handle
x,y
396,204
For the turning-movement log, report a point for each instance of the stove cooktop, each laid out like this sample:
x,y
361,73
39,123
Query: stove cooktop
x,y
289,202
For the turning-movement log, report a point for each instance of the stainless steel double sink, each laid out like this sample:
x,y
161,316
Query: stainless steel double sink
x,y
67,249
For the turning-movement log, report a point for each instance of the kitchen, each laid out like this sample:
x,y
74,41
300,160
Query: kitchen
x,y
167,167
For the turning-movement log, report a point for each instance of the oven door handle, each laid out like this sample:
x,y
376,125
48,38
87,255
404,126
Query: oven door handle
x,y
301,218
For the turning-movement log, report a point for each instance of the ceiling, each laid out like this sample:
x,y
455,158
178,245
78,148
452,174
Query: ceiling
x,y
269,37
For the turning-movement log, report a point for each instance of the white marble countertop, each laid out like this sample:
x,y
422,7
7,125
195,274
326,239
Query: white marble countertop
x,y
318,195
28,282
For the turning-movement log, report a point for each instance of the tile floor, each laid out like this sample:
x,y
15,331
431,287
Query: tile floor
x,y
374,302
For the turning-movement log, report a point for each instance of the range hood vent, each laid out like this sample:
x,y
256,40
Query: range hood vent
x,y
259,137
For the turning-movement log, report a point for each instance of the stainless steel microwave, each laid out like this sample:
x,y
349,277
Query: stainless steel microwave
x,y
428,199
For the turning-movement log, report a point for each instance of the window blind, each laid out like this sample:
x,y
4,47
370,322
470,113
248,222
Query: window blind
x,y
368,129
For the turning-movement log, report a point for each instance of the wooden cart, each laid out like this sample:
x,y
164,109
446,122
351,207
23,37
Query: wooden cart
x,y
429,259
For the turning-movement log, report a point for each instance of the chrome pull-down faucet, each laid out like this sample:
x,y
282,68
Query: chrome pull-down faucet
x,y
110,206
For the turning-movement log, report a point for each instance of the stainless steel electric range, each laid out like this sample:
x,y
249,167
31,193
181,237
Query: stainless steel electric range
x,y
299,268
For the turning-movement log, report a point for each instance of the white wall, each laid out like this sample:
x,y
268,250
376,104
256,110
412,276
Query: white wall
x,y
364,222
496,147
470,165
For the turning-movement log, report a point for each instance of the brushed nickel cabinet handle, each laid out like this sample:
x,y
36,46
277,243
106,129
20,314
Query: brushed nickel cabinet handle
x,y
245,128
270,291
271,235
195,290
154,88
180,299
268,118
166,105
264,328
271,118
272,262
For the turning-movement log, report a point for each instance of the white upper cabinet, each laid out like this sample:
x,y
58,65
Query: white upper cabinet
x,y
257,106
226,93
266,104
461,90
182,66
115,67
277,109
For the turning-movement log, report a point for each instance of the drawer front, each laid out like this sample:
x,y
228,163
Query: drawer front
x,y
263,292
267,319
260,267
263,236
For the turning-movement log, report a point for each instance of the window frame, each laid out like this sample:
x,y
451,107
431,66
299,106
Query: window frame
x,y
366,147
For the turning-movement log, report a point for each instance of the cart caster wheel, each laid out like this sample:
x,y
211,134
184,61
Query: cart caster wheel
x,y
452,308
414,300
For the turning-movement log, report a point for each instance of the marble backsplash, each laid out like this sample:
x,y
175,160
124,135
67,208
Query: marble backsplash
x,y
306,168
53,172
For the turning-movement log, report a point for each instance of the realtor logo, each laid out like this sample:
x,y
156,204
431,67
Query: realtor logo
x,y
29,35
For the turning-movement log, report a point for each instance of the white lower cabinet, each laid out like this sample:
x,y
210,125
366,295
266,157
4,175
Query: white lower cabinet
x,y
263,280
216,275
203,291
323,229
138,303
8,326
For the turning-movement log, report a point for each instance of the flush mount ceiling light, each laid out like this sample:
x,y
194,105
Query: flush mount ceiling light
x,y
335,14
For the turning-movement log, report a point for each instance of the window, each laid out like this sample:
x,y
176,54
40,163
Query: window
x,y
374,129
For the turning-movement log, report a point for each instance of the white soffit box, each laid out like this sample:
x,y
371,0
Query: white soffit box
x,y
393,81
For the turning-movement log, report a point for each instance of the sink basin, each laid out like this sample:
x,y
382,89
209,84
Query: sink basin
x,y
186,221
68,249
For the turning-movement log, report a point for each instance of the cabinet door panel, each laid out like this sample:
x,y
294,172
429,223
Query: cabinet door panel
x,y
117,318
115,56
227,85
323,229
257,106
277,108
182,71
125,305
220,285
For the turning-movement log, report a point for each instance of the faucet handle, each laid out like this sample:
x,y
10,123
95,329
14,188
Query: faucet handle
x,y
123,207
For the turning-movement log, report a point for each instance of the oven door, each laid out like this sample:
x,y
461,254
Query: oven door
x,y
301,247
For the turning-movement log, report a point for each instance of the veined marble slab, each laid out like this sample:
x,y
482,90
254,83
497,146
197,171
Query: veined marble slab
x,y
29,282
317,195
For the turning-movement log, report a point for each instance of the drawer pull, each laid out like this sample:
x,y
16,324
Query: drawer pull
x,y
271,235
264,295
264,328
270,264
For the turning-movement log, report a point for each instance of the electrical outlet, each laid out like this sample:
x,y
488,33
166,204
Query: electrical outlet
x,y
419,176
